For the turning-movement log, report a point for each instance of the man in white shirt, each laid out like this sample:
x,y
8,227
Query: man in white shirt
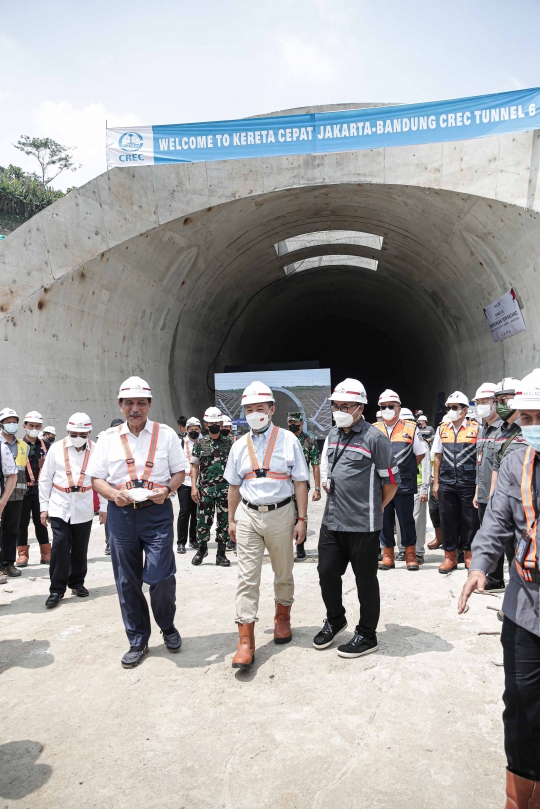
x,y
8,480
264,469
66,501
137,466
187,515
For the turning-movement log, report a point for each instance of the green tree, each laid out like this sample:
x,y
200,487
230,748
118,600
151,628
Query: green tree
x,y
49,154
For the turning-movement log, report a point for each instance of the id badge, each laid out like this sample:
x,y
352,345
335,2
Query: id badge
x,y
523,547
330,486
481,452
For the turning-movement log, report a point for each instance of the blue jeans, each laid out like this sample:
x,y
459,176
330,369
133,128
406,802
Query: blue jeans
x,y
141,541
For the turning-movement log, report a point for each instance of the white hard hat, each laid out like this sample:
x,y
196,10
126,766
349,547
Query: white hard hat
x,y
507,385
227,421
257,392
34,416
49,430
420,418
485,391
193,422
389,396
7,413
79,423
457,398
527,396
406,413
212,414
134,388
350,390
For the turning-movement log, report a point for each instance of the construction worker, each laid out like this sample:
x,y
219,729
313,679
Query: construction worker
x,y
35,458
137,466
266,466
454,481
187,515
8,481
67,503
425,432
361,479
423,480
209,488
409,450
295,422
181,423
49,434
114,423
11,515
226,427
511,518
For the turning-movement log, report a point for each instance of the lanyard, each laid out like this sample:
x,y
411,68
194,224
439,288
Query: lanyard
x,y
339,454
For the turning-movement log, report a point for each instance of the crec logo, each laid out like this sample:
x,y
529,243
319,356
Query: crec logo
x,y
131,142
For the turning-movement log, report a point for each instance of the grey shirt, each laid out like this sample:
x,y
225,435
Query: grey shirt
x,y
366,463
503,523
485,456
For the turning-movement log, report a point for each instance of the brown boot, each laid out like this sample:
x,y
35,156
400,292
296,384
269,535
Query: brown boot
x,y
22,555
410,558
45,551
388,561
245,655
467,557
521,793
282,624
450,562
437,542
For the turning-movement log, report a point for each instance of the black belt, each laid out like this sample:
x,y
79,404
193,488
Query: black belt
x,y
144,504
271,507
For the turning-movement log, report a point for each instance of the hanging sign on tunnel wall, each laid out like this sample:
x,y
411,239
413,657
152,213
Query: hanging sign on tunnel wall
x,y
374,128
504,317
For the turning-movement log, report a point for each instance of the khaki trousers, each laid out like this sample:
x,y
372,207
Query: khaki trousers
x,y
255,531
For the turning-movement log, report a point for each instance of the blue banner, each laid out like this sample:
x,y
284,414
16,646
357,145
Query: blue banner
x,y
345,130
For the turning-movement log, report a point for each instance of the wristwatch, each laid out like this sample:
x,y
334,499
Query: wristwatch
x,y
170,490
317,488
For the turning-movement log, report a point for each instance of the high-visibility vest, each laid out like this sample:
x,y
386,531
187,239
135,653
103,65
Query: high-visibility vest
x,y
266,471
529,563
458,465
402,439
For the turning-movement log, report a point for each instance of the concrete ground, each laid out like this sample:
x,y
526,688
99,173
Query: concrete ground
x,y
417,725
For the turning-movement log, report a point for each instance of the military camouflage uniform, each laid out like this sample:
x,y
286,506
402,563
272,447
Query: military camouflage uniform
x,y
210,455
311,454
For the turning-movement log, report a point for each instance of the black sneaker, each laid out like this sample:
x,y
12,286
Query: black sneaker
x,y
81,591
401,556
194,545
107,550
325,637
231,546
420,559
357,646
221,557
201,553
10,570
494,587
54,600
181,549
172,639
133,657
301,551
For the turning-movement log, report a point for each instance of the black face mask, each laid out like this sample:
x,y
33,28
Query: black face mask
x,y
294,428
193,434
214,429
225,433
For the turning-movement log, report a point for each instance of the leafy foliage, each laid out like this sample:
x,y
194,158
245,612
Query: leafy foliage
x,y
22,194
49,154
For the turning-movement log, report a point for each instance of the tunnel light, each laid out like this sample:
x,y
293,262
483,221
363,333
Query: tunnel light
x,y
333,260
336,237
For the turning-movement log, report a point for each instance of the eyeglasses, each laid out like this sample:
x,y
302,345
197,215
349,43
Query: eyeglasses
x,y
344,408
454,407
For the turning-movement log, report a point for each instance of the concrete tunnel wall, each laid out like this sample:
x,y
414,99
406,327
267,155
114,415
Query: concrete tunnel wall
x,y
170,272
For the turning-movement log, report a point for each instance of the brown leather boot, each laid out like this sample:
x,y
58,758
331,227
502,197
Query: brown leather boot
x,y
388,560
282,624
437,542
521,793
245,656
467,556
450,562
45,551
23,552
410,558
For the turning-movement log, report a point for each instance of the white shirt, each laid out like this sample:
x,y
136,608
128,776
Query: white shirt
x,y
108,462
324,463
419,446
188,447
288,456
73,507
437,443
8,461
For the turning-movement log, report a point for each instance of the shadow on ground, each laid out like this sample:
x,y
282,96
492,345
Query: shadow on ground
x,y
19,773
36,603
28,654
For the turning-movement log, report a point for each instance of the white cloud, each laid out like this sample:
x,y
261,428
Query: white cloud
x,y
303,61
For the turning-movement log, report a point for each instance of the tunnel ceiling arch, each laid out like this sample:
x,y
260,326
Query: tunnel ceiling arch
x,y
172,272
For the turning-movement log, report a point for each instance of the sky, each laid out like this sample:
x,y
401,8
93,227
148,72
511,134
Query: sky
x,y
66,68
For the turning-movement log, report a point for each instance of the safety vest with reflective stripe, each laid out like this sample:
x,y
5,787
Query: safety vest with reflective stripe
x,y
530,561
79,486
266,471
402,439
458,465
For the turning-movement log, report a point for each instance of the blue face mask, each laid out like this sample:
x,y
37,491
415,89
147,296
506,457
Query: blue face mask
x,y
531,434
10,428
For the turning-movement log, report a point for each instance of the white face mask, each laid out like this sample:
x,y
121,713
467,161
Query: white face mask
x,y
344,420
78,442
485,411
32,433
258,420
10,428
454,415
388,414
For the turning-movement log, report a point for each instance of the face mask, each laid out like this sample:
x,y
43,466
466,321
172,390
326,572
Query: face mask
x,y
10,428
344,420
225,433
258,421
78,442
531,434
294,428
32,433
454,415
504,411
388,414
193,434
484,411
214,429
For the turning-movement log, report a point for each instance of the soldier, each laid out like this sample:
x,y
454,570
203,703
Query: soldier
x,y
208,461
310,449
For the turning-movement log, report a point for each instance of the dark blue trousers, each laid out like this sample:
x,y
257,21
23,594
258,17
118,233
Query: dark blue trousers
x,y
141,541
403,506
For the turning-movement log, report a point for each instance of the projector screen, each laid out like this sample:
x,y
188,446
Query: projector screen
x,y
303,390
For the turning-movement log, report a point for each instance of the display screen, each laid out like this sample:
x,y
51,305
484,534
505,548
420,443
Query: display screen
x,y
303,390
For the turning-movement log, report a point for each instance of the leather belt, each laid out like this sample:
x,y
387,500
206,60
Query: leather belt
x,y
270,507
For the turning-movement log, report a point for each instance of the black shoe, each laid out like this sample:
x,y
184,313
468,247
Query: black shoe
x,y
420,559
181,549
301,551
231,546
81,591
494,587
380,555
201,553
460,558
325,637
9,569
107,550
194,545
133,657
401,556
54,599
172,639
357,646
221,557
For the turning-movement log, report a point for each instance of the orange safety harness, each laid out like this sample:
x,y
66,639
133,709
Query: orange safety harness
x,y
527,549
134,482
70,488
265,472
30,471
